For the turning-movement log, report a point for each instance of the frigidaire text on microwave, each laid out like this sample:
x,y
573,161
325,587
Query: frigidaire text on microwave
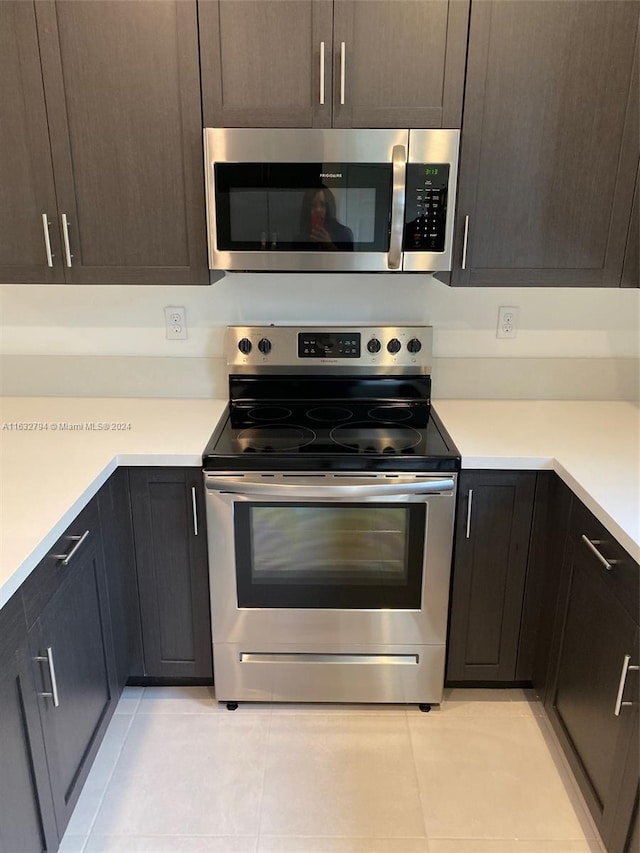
x,y
330,200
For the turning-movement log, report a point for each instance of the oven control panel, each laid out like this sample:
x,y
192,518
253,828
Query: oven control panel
x,y
256,348
329,344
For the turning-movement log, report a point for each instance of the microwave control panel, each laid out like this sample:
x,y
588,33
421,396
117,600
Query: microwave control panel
x,y
426,207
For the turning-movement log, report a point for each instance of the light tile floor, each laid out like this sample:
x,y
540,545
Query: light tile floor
x,y
178,773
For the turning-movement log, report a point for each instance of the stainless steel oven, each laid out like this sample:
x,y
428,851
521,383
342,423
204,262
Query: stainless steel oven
x,y
330,200
330,495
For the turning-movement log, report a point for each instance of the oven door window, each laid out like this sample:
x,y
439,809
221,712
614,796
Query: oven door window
x,y
303,207
319,555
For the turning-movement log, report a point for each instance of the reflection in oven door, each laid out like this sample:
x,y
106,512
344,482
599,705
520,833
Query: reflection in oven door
x,y
335,589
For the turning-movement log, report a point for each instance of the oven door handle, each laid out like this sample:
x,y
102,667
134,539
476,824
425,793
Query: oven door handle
x,y
229,486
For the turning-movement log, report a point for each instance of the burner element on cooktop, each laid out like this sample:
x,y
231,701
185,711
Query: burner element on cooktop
x,y
274,438
329,414
381,439
268,413
390,413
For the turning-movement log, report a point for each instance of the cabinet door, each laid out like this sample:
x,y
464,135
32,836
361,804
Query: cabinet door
x,y
27,821
120,570
490,563
26,172
398,63
123,103
73,633
596,633
171,553
550,147
262,62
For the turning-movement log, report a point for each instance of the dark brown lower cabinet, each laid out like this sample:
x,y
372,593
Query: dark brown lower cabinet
x,y
491,547
74,672
114,504
592,702
171,554
27,821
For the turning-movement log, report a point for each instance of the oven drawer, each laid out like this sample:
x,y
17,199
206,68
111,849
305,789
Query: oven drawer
x,y
329,673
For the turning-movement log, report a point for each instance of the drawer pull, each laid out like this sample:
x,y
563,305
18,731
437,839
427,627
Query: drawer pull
x,y
65,235
52,674
66,558
194,507
623,680
47,241
322,73
469,500
464,242
591,545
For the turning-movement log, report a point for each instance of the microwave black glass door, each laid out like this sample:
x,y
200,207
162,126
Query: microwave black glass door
x,y
329,555
303,207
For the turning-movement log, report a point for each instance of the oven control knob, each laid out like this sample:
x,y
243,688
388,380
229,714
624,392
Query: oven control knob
x,y
394,345
374,345
244,345
264,345
414,345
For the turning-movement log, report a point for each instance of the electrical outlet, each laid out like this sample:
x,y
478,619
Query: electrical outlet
x,y
175,319
507,322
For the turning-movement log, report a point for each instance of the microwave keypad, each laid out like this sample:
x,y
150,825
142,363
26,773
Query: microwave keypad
x,y
426,207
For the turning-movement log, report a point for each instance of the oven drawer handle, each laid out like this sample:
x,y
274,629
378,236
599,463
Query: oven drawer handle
x,y
318,491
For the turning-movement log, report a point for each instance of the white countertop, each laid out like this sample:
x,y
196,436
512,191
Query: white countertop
x,y
593,446
48,475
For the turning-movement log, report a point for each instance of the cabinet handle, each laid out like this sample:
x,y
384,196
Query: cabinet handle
x,y
469,501
52,674
322,73
65,234
465,239
194,506
47,241
66,558
343,66
591,545
623,680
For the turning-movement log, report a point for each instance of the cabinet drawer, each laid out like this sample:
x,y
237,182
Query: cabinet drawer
x,y
51,572
623,579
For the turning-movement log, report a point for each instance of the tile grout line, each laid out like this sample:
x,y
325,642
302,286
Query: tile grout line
x,y
415,773
574,795
113,770
264,776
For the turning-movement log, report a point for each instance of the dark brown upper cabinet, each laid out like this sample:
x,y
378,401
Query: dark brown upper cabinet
x,y
550,143
261,62
29,237
317,63
122,111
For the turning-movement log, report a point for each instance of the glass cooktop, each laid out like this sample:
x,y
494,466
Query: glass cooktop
x,y
355,434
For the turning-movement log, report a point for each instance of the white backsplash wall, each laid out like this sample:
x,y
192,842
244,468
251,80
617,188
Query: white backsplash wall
x,y
571,342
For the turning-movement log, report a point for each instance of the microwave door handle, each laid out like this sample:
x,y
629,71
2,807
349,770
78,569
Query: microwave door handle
x,y
399,159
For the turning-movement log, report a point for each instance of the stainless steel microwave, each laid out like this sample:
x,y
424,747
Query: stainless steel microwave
x,y
330,200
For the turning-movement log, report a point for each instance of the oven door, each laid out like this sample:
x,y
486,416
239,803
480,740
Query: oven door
x,y
329,557
305,200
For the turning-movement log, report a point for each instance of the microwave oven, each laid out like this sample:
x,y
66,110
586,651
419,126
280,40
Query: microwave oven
x,y
312,200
